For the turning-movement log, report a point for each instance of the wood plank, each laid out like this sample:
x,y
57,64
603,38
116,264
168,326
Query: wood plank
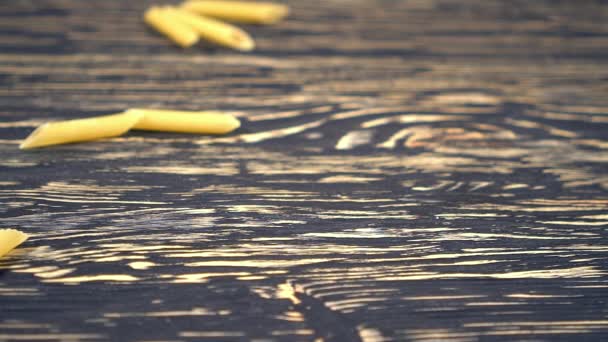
x,y
406,170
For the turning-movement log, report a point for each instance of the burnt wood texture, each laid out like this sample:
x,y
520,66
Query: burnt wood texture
x,y
411,170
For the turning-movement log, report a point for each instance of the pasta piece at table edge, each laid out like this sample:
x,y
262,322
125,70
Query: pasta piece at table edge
x,y
9,239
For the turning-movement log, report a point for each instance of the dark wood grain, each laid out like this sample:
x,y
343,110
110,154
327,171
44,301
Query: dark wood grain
x,y
406,170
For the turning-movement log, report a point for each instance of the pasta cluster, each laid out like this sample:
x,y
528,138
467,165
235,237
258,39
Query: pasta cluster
x,y
9,239
196,19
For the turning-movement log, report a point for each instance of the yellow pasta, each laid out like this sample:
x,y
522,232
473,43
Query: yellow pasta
x,y
166,23
9,239
239,11
108,126
215,31
185,122
70,131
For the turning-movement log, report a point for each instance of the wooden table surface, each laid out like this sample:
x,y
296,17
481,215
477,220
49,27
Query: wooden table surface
x,y
406,170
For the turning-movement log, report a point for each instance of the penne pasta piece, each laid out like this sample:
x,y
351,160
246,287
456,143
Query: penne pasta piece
x,y
166,23
64,132
239,11
9,239
185,122
215,31
108,126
